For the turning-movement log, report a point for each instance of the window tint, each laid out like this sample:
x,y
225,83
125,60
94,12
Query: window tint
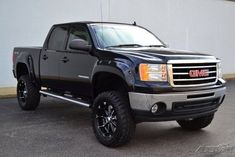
x,y
57,39
78,32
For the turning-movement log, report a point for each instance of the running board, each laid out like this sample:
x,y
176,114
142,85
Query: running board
x,y
73,100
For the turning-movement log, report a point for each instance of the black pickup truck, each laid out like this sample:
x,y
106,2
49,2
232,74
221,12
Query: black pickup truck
x,y
124,73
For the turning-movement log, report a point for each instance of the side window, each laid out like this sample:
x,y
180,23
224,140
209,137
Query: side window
x,y
79,32
57,38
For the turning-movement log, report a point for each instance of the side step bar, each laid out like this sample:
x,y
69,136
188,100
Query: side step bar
x,y
73,100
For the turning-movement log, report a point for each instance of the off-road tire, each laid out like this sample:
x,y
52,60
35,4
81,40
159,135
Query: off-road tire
x,y
197,123
125,125
28,96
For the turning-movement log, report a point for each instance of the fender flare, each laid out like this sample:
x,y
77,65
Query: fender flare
x,y
28,62
120,69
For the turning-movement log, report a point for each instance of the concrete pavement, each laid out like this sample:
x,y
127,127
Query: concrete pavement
x,y
58,128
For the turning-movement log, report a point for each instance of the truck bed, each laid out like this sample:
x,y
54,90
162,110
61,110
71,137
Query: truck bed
x,y
23,55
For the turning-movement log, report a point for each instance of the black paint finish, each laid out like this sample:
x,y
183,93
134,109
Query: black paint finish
x,y
74,71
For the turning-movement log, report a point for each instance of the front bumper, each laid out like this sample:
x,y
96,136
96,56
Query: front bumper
x,y
178,105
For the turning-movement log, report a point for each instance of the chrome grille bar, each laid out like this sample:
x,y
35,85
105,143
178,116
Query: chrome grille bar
x,y
179,73
197,79
175,73
189,67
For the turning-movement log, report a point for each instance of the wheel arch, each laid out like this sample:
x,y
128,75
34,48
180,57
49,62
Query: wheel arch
x,y
105,81
112,74
21,69
25,67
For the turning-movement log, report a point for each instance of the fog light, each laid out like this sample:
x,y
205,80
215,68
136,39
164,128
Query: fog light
x,y
154,108
158,108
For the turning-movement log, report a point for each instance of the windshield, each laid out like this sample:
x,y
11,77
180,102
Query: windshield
x,y
117,35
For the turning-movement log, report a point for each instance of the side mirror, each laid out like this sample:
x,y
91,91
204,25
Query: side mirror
x,y
79,44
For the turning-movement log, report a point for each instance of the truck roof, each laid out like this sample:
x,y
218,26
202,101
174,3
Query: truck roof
x,y
91,22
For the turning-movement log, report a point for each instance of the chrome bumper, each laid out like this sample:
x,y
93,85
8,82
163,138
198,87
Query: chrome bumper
x,y
144,102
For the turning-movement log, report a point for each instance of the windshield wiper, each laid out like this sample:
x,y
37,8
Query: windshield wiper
x,y
154,46
125,45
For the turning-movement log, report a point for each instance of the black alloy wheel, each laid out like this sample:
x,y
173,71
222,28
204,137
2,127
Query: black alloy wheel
x,y
22,91
106,119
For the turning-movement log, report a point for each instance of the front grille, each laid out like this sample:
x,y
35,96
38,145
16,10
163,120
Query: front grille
x,y
195,106
182,78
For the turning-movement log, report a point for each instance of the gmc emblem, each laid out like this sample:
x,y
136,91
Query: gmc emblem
x,y
199,73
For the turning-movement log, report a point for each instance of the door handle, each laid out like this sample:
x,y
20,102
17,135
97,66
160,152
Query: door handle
x,y
65,59
45,57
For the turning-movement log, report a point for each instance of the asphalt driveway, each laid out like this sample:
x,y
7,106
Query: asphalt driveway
x,y
58,128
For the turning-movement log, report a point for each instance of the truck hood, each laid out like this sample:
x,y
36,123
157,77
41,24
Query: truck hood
x,y
159,55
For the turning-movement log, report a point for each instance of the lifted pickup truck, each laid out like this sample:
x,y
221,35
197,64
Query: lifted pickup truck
x,y
124,73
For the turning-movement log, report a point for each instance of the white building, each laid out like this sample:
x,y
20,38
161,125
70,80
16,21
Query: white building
x,y
198,25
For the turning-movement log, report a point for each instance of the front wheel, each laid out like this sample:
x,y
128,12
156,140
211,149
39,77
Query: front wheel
x,y
197,123
27,93
112,122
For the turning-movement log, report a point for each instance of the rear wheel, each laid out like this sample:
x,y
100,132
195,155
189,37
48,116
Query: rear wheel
x,y
197,123
112,122
27,93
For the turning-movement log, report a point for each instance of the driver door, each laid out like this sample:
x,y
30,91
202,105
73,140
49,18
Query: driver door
x,y
75,74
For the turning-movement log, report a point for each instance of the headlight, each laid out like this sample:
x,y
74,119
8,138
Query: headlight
x,y
219,69
153,72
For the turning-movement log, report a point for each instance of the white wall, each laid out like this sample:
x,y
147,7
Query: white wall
x,y
199,25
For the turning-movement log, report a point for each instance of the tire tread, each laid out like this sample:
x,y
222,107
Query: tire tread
x,y
196,124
